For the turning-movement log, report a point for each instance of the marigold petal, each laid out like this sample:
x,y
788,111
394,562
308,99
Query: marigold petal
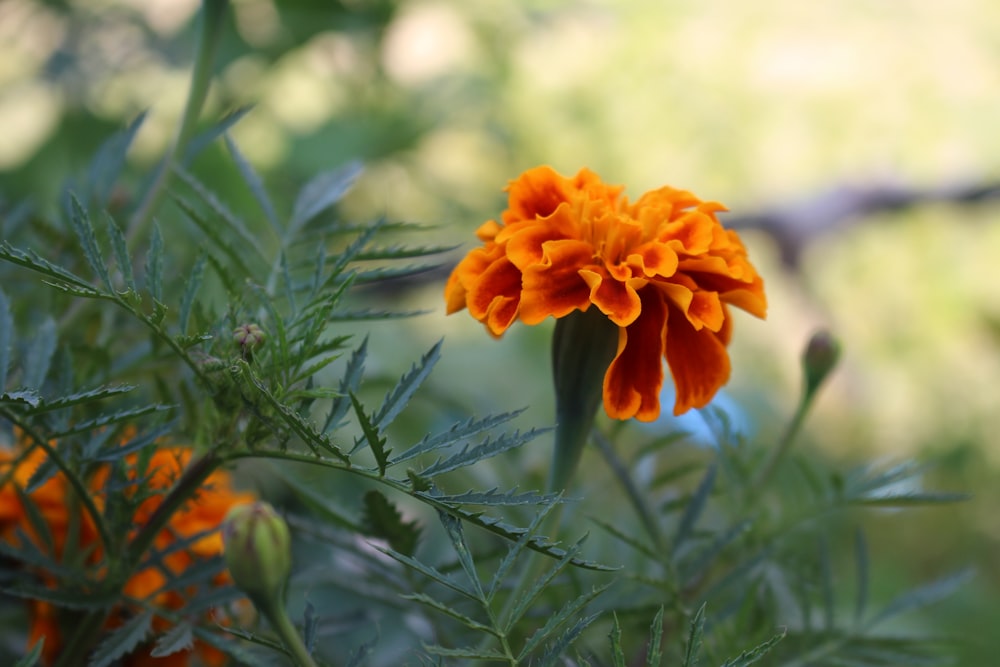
x,y
554,286
539,191
633,381
616,299
654,259
698,362
494,296
525,241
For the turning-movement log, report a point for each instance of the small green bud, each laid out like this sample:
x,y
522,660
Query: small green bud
x,y
819,359
249,337
258,551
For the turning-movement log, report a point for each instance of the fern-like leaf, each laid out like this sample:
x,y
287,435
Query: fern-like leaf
x,y
487,449
6,338
397,399
88,242
256,186
122,640
383,520
457,433
322,192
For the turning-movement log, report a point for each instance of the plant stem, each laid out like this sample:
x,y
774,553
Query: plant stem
x,y
277,616
213,13
784,445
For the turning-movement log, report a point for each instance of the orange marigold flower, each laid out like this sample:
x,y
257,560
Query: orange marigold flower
x,y
662,269
201,516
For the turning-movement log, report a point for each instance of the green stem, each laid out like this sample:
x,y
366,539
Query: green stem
x,y
637,499
289,635
213,13
784,445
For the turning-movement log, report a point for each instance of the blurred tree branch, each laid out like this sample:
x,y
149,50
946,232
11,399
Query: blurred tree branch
x,y
796,225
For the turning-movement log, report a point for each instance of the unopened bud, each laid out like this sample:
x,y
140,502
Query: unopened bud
x,y
248,337
820,357
258,550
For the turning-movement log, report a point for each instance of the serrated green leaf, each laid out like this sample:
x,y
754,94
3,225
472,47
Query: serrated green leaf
x,y
615,637
223,214
120,247
400,395
694,508
469,653
28,396
457,433
178,638
6,338
211,231
910,499
383,520
233,649
442,608
702,560
487,449
861,569
453,529
493,497
128,415
206,137
349,382
695,634
753,655
256,186
515,550
310,623
922,596
398,252
375,441
361,652
88,242
302,428
538,586
554,653
154,264
62,598
826,583
323,191
31,658
77,398
109,160
38,355
123,640
625,538
654,654
31,260
428,571
368,315
567,612
191,287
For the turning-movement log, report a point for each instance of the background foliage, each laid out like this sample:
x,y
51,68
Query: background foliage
x,y
751,105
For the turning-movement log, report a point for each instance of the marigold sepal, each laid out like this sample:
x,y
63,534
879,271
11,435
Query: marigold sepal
x,y
583,346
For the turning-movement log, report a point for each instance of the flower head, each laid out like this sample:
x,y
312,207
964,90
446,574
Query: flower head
x,y
662,269
197,521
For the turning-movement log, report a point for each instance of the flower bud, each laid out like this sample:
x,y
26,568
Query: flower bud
x,y
249,337
258,551
820,357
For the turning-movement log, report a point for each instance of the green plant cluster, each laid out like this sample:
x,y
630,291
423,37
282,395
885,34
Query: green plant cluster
x,y
226,330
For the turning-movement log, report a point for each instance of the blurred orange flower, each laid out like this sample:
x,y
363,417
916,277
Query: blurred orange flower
x,y
201,515
662,269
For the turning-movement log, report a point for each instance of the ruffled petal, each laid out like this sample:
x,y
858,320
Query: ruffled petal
x,y
553,286
633,381
525,240
698,362
616,299
654,260
539,191
494,296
